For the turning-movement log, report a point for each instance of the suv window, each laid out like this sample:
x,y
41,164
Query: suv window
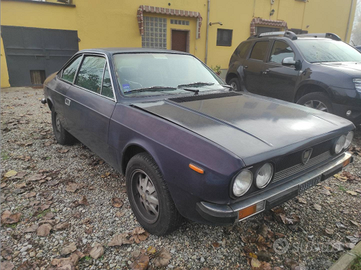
x,y
259,50
280,51
91,73
107,89
68,73
243,49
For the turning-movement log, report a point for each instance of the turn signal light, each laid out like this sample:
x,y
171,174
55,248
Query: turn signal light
x,y
346,162
251,210
196,169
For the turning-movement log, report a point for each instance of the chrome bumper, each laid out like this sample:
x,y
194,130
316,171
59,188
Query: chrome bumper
x,y
273,196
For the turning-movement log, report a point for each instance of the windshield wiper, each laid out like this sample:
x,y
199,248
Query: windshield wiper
x,y
195,84
228,86
158,88
195,91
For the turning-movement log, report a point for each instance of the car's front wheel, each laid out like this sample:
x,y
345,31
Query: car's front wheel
x,y
61,135
149,197
235,84
317,100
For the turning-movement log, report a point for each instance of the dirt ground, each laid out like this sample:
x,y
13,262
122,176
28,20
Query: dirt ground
x,y
62,206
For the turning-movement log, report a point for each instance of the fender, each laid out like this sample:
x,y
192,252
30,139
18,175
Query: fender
x,y
313,83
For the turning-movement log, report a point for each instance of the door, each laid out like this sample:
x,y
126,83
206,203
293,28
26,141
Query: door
x,y
89,105
254,66
32,54
180,40
280,81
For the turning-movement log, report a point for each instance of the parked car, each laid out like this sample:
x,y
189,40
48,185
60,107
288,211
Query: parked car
x,y
316,70
187,145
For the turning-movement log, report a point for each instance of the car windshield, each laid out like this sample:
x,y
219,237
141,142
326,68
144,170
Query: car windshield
x,y
327,50
149,74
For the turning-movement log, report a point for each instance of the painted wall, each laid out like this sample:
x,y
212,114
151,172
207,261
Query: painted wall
x,y
113,23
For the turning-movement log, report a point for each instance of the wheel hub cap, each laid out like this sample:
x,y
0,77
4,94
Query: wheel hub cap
x,y
316,104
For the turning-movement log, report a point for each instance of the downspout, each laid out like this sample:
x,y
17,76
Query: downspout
x,y
349,20
207,30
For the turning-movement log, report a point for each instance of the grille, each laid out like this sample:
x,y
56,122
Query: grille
x,y
300,167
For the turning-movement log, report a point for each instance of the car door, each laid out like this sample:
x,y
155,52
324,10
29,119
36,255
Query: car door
x,y
254,66
90,103
64,79
280,81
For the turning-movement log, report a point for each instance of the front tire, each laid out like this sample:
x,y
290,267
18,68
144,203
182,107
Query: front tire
x,y
318,101
62,136
149,197
235,84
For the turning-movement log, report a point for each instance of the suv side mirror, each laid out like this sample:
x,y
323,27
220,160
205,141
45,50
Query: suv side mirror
x,y
289,61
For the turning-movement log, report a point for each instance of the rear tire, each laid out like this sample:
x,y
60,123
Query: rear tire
x,y
61,135
149,197
318,101
235,84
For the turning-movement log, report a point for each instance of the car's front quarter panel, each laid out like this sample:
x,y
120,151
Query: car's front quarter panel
x,y
174,148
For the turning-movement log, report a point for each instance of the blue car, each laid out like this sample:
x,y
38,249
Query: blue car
x,y
188,145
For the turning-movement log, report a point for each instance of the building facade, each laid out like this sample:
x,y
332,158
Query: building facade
x,y
37,37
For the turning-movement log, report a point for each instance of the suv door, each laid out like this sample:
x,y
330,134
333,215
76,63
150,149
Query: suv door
x,y
254,66
90,104
279,80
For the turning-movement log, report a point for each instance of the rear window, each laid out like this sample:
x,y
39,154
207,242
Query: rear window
x,y
259,50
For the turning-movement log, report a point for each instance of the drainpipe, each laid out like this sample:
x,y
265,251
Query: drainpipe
x,y
208,10
349,21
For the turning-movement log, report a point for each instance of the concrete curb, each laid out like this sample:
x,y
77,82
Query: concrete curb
x,y
347,259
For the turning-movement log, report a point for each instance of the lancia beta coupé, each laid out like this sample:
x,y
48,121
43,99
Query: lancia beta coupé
x,y
187,144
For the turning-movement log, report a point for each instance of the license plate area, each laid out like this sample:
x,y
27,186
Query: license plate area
x,y
310,183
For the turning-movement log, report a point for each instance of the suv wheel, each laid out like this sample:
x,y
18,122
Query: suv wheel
x,y
235,84
318,101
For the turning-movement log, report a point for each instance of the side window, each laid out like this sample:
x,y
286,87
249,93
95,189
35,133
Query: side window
x,y
107,89
68,73
259,50
280,51
91,73
243,49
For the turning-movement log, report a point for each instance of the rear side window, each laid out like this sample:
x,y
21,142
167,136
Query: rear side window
x,y
91,73
69,72
259,50
280,51
243,49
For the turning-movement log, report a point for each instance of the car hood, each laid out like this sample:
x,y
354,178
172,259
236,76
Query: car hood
x,y
252,127
352,68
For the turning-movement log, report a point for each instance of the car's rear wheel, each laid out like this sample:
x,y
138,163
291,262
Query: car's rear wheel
x,y
317,100
149,197
62,136
235,84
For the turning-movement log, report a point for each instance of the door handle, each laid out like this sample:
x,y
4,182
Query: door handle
x,y
265,72
245,67
67,101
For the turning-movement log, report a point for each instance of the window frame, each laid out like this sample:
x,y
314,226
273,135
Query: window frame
x,y
270,53
82,55
223,45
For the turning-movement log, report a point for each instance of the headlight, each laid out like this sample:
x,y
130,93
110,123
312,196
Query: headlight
x,y
242,183
357,83
349,138
264,175
340,144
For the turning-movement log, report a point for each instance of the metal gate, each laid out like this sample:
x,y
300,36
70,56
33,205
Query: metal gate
x,y
32,54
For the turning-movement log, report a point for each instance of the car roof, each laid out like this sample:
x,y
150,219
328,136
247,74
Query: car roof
x,y
130,50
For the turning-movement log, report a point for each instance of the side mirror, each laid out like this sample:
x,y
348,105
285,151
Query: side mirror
x,y
289,61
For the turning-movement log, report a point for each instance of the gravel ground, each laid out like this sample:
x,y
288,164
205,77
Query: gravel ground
x,y
309,232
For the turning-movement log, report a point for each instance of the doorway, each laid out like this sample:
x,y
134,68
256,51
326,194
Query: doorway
x,y
180,40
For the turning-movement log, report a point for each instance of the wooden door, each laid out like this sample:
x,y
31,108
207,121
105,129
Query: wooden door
x,y
180,40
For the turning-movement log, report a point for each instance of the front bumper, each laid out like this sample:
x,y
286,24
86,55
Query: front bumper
x,y
228,214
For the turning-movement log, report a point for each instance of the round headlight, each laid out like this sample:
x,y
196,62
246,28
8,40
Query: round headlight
x,y
340,144
349,138
242,183
264,175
